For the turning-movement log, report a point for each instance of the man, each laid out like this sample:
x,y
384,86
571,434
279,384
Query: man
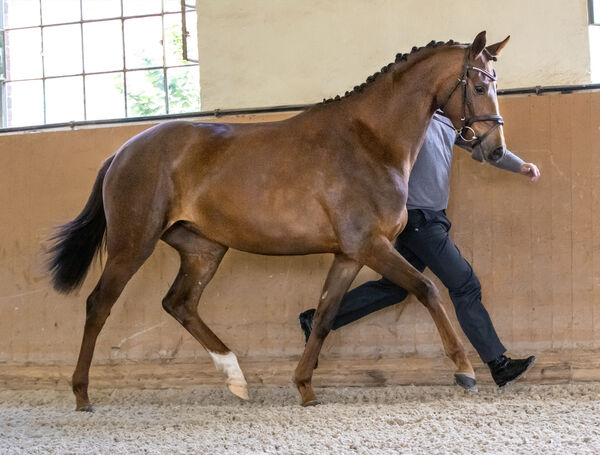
x,y
425,243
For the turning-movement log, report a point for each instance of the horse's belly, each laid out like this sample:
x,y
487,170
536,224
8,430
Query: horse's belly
x,y
260,230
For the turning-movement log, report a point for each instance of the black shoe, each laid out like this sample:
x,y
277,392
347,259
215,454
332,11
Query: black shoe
x,y
306,322
504,369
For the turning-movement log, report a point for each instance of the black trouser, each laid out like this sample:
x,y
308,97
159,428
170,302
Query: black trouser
x,y
425,243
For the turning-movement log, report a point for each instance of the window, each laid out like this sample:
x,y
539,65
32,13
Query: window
x,y
594,12
76,60
594,32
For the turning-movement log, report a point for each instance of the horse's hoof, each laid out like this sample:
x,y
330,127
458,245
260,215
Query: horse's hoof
x,y
85,408
311,403
239,390
466,381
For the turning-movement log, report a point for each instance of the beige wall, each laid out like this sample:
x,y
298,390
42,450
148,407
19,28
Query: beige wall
x,y
274,52
536,250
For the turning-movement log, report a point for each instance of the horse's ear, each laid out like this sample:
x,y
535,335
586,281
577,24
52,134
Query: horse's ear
x,y
495,49
478,45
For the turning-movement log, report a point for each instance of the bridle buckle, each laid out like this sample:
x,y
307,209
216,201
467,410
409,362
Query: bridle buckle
x,y
462,130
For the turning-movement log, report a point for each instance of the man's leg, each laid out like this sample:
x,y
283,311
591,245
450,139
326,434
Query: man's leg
x,y
376,295
373,295
432,244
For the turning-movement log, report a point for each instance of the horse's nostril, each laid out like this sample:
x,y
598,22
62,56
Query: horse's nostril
x,y
497,153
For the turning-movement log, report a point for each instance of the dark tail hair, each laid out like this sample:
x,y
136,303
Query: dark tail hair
x,y
75,244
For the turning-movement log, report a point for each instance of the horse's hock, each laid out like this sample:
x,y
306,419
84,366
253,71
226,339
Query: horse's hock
x,y
534,248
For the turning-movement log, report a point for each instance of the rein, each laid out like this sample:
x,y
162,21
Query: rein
x,y
467,106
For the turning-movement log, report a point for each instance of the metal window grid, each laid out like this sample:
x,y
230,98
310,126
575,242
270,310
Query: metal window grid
x,y
185,8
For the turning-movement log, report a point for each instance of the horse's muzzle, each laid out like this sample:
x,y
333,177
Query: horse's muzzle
x,y
496,154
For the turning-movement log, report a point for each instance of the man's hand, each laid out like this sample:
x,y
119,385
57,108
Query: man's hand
x,y
530,170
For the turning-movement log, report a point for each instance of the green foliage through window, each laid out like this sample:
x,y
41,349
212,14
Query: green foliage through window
x,y
148,97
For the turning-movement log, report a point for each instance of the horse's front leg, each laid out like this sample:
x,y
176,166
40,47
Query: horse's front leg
x,y
341,274
382,257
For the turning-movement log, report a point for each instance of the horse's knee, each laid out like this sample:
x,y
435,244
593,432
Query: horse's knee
x,y
321,331
427,293
323,323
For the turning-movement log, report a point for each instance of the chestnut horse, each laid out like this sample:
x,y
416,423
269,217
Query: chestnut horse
x,y
332,179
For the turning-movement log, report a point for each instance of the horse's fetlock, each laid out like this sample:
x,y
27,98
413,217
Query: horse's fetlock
x,y
79,387
457,353
302,381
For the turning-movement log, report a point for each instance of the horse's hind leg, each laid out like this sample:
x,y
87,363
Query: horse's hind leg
x,y
384,259
124,259
200,258
340,277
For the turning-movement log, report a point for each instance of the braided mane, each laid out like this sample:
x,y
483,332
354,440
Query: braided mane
x,y
399,59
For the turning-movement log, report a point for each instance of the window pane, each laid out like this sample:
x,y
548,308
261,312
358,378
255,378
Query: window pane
x,y
192,39
25,103
2,56
60,11
139,7
172,6
64,99
184,89
173,42
145,93
62,50
101,9
21,13
143,42
596,11
24,54
104,96
103,46
173,39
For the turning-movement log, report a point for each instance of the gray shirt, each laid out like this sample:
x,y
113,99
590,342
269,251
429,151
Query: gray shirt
x,y
429,183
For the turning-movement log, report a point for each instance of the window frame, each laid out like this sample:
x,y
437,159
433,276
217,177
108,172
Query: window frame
x,y
592,14
185,8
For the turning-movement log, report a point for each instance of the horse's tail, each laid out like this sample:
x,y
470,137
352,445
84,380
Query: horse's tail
x,y
76,243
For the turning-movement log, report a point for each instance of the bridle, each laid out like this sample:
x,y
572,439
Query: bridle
x,y
467,107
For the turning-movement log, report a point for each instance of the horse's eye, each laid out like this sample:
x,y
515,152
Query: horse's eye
x,y
479,89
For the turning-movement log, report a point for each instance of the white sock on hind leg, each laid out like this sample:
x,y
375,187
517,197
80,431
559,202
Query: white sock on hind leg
x,y
228,364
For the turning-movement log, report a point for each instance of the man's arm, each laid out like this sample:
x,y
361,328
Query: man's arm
x,y
508,162
511,162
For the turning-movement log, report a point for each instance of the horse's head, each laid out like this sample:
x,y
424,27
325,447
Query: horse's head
x,y
472,105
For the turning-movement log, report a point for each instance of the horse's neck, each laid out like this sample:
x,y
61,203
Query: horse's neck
x,y
398,113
